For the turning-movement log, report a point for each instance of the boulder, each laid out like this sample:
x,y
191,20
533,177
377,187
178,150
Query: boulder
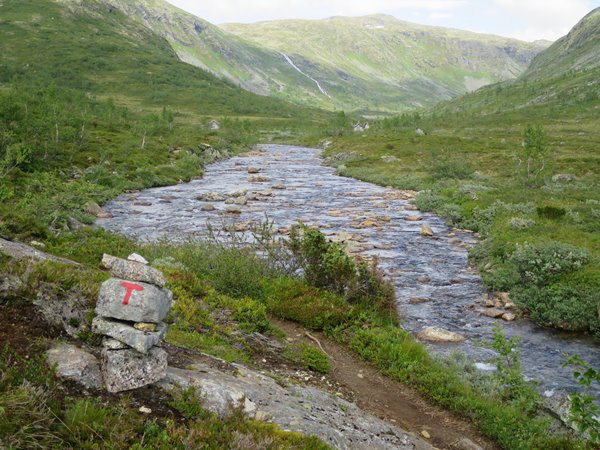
x,y
436,334
492,312
208,207
258,179
241,200
128,369
92,208
133,270
426,230
69,311
233,209
413,218
238,193
279,186
134,302
253,169
142,341
509,317
211,197
75,364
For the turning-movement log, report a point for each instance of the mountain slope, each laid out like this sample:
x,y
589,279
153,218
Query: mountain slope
x,y
97,49
338,63
578,50
562,81
379,62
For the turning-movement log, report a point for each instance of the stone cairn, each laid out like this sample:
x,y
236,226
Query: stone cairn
x,y
129,314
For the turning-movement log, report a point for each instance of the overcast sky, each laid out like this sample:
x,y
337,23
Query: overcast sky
x,y
523,19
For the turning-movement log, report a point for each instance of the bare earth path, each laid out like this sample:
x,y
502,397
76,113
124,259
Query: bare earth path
x,y
388,399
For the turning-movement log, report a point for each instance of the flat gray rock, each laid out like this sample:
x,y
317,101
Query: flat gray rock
x,y
133,270
128,369
142,341
18,250
75,364
133,301
302,409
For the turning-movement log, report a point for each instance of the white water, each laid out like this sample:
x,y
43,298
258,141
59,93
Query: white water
x,y
289,60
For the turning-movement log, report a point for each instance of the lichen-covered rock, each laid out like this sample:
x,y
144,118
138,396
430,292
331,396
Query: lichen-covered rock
x,y
128,369
75,364
307,410
142,341
133,270
134,302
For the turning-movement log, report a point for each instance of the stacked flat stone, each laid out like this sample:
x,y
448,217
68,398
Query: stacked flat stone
x,y
129,314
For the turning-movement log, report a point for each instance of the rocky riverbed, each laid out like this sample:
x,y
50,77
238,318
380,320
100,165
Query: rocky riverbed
x,y
426,260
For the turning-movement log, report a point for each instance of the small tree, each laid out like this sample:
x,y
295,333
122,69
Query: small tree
x,y
582,410
534,152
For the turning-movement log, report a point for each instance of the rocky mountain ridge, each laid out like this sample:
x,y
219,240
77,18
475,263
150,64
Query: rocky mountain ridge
x,y
369,64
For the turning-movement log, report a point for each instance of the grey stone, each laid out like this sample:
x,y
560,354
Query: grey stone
x,y
142,341
436,334
133,270
137,258
18,250
74,224
148,305
69,311
233,209
75,364
92,208
112,344
211,197
467,444
306,410
128,369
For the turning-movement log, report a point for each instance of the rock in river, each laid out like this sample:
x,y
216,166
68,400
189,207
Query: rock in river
x,y
436,334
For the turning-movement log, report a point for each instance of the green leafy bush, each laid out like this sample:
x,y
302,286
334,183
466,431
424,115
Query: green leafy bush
x,y
327,266
315,359
573,308
540,263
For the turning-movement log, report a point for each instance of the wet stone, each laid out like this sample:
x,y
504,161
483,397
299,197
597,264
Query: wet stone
x,y
146,303
437,334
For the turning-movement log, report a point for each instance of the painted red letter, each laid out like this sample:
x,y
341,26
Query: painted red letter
x,y
130,288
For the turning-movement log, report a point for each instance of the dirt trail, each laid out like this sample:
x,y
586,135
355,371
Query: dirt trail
x,y
388,399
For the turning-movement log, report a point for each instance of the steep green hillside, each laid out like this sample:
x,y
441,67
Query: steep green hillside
x,y
94,48
518,162
579,50
381,63
92,103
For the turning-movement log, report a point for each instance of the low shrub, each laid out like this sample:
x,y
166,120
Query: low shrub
x,y
573,308
327,266
295,300
540,263
315,359
551,212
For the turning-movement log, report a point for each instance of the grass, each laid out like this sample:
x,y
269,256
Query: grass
x,y
34,413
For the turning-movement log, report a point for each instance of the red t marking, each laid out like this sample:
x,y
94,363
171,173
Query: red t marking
x,y
130,288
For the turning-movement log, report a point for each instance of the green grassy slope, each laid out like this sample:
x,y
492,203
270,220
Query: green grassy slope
x,y
579,50
380,63
92,103
540,234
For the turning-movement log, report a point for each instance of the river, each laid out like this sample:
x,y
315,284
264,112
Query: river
x,y
292,184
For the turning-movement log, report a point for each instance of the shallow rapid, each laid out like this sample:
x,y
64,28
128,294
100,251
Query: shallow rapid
x,y
291,184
